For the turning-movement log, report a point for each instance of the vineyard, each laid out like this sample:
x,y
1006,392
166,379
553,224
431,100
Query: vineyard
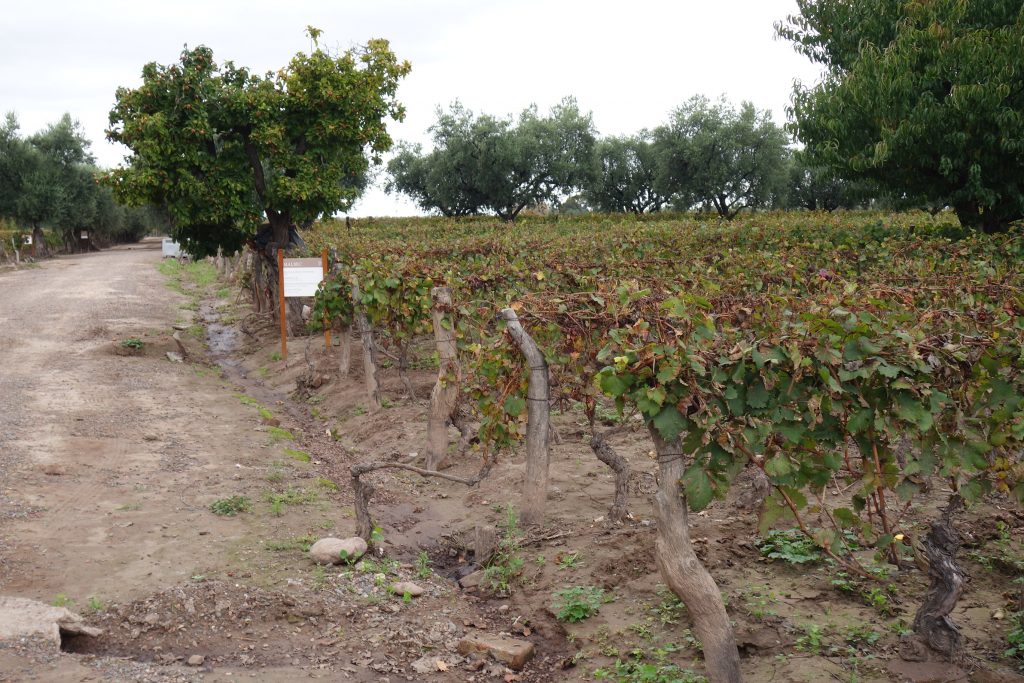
x,y
854,369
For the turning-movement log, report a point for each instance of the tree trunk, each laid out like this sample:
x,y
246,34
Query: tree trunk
x,y
538,451
345,362
38,243
683,572
364,522
445,394
370,365
606,454
932,621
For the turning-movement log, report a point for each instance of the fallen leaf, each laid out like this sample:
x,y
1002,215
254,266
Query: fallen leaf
x,y
441,665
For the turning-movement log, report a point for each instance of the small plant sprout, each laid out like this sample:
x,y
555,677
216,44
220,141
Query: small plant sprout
x,y
577,603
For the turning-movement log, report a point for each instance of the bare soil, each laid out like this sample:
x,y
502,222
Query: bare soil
x,y
110,459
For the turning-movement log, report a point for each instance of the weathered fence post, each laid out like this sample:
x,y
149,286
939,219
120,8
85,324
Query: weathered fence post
x,y
538,449
370,376
445,394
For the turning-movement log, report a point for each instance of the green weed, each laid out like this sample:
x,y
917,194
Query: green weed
x,y
229,507
577,603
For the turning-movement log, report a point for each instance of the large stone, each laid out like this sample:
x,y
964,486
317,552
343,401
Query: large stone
x,y
337,550
24,618
512,652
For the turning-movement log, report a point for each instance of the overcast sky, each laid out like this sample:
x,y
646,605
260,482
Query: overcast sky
x,y
630,63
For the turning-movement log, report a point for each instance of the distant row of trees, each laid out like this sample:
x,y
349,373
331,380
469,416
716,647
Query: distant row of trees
x,y
709,155
48,180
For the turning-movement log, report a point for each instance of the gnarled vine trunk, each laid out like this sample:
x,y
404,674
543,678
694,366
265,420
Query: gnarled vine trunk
x,y
538,451
683,572
606,454
445,394
371,378
932,621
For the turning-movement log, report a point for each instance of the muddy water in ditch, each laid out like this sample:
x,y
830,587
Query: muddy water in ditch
x,y
221,339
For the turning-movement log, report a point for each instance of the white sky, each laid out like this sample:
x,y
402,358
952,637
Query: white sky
x,y
629,63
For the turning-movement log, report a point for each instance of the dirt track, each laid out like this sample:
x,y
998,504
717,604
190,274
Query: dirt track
x,y
106,461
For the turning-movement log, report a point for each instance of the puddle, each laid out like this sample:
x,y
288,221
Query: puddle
x,y
222,340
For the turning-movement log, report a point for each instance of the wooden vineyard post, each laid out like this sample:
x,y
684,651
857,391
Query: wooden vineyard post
x,y
538,450
283,315
446,389
327,320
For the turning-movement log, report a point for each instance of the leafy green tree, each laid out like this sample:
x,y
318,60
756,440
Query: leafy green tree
x,y
924,98
503,165
818,188
624,176
224,149
714,156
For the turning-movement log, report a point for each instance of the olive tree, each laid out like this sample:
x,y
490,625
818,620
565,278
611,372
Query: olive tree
x,y
923,98
623,176
499,164
715,156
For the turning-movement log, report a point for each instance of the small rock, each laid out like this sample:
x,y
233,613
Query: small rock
x,y
196,660
509,651
175,357
403,587
54,470
472,580
424,665
330,550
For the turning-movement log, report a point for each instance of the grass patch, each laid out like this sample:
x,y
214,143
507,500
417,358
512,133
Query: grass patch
x,y
326,484
302,543
290,497
280,434
132,343
295,454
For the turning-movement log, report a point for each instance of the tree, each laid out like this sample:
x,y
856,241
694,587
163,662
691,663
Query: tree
x,y
714,156
504,165
922,97
222,148
818,188
624,176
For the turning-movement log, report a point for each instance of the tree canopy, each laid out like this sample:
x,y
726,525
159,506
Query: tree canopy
x,y
224,149
48,179
499,164
624,175
924,98
716,156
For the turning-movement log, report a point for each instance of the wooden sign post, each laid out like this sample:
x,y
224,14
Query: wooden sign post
x,y
299,277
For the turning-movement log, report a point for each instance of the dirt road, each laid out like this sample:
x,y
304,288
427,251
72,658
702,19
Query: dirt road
x,y
108,462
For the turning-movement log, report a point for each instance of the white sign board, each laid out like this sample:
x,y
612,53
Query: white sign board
x,y
302,276
26,239
85,235
170,248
